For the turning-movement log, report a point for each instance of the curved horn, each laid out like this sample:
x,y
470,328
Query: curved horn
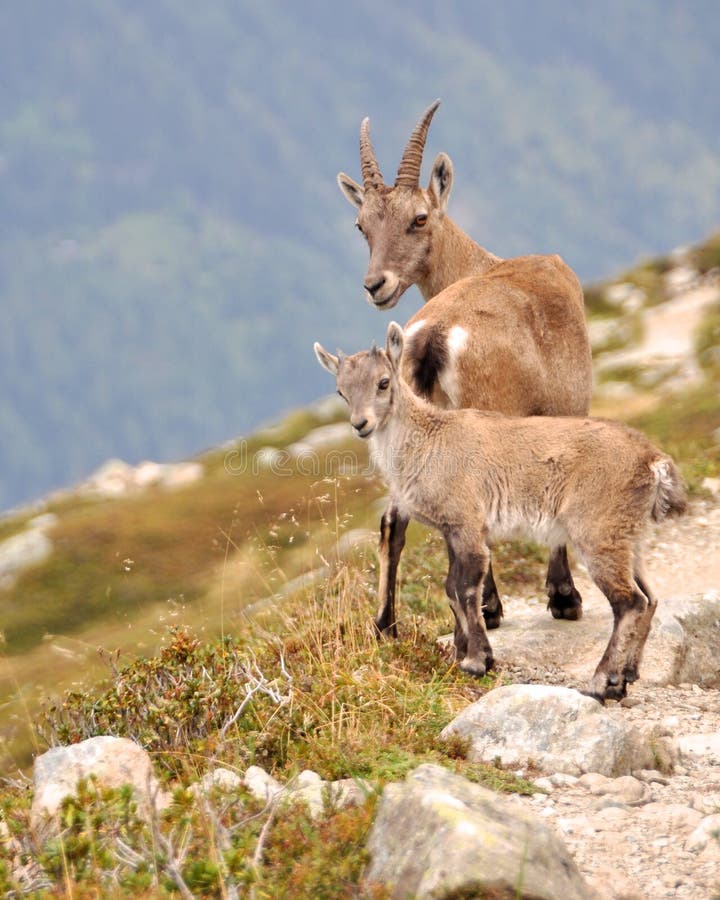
x,y
372,176
408,174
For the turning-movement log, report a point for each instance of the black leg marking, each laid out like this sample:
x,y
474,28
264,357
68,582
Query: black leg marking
x,y
564,601
392,540
472,647
492,608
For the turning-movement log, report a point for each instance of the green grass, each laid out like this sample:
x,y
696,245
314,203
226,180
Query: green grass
x,y
344,705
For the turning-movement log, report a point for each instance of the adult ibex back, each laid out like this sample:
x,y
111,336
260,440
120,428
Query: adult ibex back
x,y
505,335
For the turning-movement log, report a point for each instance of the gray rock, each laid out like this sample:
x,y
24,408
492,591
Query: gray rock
x,y
707,746
556,729
674,817
707,831
113,761
624,789
23,551
687,634
261,785
220,779
438,835
307,787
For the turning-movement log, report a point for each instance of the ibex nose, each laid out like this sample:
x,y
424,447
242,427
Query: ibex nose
x,y
359,426
372,287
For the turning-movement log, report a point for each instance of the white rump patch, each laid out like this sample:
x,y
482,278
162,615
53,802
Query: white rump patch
x,y
448,378
413,329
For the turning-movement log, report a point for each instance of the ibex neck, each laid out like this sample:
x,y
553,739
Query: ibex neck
x,y
400,437
455,255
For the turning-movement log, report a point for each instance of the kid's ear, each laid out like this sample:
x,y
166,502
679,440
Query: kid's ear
x,y
394,346
326,360
354,194
441,180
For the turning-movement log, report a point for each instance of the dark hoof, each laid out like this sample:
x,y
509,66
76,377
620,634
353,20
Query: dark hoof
x,y
616,691
477,667
492,614
630,675
607,687
385,631
565,606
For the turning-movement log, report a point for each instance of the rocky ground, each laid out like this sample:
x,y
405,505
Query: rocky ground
x,y
639,836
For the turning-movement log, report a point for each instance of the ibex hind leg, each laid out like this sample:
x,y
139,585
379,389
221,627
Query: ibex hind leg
x,y
492,608
564,600
632,614
632,666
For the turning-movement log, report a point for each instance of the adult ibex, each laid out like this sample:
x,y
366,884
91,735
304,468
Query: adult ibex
x,y
590,481
506,335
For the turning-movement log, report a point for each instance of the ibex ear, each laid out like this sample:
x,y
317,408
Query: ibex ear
x,y
352,190
441,180
394,346
326,360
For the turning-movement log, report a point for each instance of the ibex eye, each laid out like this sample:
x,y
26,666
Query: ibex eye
x,y
359,227
420,221
383,384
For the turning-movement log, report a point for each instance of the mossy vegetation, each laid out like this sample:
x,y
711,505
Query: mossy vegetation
x,y
331,698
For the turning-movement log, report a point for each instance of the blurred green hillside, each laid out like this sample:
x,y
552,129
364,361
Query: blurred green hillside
x,y
172,239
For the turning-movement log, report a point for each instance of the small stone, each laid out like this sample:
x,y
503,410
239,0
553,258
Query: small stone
x,y
562,779
696,746
261,785
708,830
593,782
220,779
651,776
670,816
708,804
669,725
612,814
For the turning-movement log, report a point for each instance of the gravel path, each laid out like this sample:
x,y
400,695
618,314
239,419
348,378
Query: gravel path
x,y
649,836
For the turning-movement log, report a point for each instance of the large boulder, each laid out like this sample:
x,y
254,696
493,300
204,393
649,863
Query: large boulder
x,y
556,729
113,761
439,835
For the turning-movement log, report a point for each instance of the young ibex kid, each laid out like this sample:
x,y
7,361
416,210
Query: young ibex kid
x,y
477,476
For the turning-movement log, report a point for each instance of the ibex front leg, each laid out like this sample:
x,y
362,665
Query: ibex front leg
x,y
464,590
392,540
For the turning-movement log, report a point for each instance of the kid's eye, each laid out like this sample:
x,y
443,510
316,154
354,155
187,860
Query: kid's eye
x,y
420,221
383,384
340,394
